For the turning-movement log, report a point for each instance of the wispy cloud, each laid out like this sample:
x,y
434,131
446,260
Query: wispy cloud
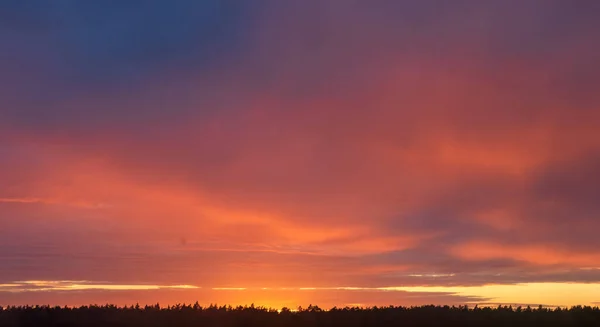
x,y
47,201
65,285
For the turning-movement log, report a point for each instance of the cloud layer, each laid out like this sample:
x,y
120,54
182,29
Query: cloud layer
x,y
310,144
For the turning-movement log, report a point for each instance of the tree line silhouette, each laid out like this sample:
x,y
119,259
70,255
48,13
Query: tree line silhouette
x,y
181,315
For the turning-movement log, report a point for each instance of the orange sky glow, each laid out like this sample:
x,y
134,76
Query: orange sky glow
x,y
295,153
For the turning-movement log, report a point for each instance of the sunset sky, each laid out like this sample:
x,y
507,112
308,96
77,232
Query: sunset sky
x,y
283,152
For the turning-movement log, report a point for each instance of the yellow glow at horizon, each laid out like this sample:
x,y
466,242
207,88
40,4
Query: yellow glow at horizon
x,y
124,287
553,294
549,294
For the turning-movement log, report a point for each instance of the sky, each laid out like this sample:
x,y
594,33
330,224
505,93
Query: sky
x,y
283,153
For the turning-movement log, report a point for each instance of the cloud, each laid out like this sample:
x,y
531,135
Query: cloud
x,y
299,144
66,285
50,202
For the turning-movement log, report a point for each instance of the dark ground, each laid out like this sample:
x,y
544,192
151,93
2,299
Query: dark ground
x,y
214,316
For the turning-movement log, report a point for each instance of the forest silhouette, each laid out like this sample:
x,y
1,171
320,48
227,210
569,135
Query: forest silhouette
x,y
181,315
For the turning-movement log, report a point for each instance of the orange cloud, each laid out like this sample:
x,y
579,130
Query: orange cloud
x,y
353,151
536,254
